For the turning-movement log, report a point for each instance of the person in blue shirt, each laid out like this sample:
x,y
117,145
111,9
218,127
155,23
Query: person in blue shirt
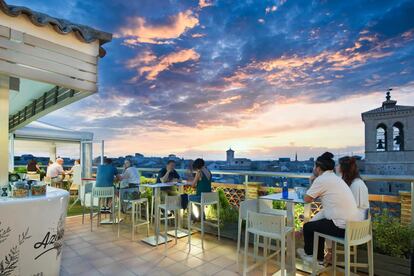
x,y
106,174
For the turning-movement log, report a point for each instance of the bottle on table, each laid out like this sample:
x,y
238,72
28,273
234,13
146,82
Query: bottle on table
x,y
285,188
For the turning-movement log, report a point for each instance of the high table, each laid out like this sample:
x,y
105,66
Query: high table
x,y
292,199
31,233
152,240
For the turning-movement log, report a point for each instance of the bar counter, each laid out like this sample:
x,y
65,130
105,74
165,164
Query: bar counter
x,y
31,233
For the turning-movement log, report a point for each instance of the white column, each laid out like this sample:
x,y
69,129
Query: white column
x,y
102,152
52,152
4,130
86,159
11,152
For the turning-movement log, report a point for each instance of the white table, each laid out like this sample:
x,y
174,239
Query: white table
x,y
292,199
152,240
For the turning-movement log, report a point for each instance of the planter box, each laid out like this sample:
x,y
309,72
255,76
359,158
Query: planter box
x,y
385,265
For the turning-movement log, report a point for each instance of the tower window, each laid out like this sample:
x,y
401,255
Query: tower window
x,y
381,137
398,137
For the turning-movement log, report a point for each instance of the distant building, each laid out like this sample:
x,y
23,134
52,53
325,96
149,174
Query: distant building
x,y
284,159
230,156
389,143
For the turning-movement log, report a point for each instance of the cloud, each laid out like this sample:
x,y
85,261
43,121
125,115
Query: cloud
x,y
140,31
205,3
149,66
293,71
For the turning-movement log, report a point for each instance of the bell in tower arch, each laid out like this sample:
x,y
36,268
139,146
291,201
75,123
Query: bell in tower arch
x,y
380,145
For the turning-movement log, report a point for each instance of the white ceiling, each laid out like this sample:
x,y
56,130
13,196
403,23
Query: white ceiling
x,y
29,91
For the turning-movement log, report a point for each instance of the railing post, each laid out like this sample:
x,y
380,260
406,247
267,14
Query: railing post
x,y
246,186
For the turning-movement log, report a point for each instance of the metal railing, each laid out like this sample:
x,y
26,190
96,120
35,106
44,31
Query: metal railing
x,y
246,174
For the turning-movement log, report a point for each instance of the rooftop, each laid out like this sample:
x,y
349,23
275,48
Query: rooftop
x,y
62,26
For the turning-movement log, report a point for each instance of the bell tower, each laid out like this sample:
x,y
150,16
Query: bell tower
x,y
389,143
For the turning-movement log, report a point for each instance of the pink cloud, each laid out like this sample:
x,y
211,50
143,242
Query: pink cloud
x,y
204,3
140,31
148,65
295,71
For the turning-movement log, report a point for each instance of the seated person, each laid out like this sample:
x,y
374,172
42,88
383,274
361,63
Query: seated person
x,y
168,174
56,172
106,174
32,167
338,204
129,177
201,181
76,172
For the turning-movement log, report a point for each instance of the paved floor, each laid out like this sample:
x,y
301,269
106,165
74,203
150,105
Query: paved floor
x,y
101,253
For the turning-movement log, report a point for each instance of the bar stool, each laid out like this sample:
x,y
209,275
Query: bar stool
x,y
356,233
101,193
254,205
84,189
207,199
269,227
137,211
172,203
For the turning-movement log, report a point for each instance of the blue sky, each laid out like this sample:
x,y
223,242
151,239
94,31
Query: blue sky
x,y
196,77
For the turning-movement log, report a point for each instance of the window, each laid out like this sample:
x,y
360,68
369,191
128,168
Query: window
x,y
398,137
381,137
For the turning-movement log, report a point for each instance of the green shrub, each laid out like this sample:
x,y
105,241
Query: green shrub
x,y
281,205
228,214
146,180
390,236
20,170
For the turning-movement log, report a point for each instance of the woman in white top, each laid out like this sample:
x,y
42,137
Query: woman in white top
x,y
348,170
338,204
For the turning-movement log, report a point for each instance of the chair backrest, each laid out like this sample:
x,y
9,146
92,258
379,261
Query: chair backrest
x,y
209,198
266,223
173,202
245,206
358,231
103,192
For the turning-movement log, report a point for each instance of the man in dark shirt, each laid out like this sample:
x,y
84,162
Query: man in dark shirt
x,y
168,174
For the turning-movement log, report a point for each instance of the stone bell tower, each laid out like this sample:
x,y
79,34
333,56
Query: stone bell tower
x,y
389,143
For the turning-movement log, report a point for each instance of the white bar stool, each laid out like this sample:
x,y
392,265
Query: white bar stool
x,y
356,233
101,193
268,227
207,199
172,203
137,214
254,205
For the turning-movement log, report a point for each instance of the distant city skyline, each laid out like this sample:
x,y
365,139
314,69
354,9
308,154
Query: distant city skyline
x,y
268,78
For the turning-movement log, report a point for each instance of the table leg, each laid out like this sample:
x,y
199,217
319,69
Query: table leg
x,y
291,256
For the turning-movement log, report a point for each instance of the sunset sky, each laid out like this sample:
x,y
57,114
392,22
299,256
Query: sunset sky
x,y
266,78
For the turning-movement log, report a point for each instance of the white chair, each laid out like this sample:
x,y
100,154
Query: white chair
x,y
267,226
136,206
102,193
207,199
84,190
356,233
254,205
172,203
